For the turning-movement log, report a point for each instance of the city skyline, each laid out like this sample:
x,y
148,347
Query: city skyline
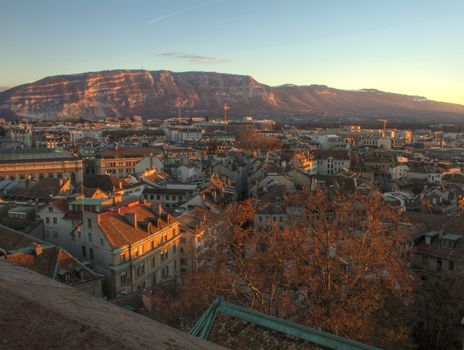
x,y
405,48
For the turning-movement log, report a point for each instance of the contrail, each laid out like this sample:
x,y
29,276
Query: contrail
x,y
154,20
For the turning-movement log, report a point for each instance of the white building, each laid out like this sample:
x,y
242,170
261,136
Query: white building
x,y
330,162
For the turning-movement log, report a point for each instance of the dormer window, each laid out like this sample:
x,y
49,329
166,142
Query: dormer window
x,y
446,243
449,240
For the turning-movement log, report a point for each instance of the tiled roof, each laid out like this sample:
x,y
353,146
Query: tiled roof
x,y
105,183
118,232
129,152
335,154
61,205
13,240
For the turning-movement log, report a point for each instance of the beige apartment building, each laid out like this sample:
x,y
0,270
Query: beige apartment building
x,y
124,161
134,245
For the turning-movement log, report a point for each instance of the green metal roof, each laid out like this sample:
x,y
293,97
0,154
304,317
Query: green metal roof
x,y
202,328
431,233
452,236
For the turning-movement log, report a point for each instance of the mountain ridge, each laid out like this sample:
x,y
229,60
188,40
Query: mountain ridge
x,y
125,92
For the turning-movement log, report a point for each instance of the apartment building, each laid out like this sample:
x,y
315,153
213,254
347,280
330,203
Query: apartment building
x,y
134,245
330,162
124,161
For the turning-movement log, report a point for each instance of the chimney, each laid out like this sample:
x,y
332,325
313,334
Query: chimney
x,y
38,249
157,209
442,231
132,218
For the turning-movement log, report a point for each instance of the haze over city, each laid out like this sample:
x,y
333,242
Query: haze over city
x,y
411,47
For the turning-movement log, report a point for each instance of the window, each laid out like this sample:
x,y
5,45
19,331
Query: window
x,y
101,242
183,240
89,223
84,253
55,221
67,277
439,265
90,236
123,278
140,270
451,265
447,243
47,220
91,253
50,209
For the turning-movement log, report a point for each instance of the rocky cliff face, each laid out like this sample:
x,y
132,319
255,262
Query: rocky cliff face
x,y
161,93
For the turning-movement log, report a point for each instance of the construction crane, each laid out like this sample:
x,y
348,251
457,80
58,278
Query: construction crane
x,y
226,120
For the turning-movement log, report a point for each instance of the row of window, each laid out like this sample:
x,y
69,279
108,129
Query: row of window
x,y
167,197
47,220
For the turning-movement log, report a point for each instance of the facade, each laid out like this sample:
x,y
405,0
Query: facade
x,y
35,164
121,162
60,224
398,171
134,245
190,242
439,252
330,162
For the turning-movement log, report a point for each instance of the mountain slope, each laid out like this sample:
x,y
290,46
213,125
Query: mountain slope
x,y
160,93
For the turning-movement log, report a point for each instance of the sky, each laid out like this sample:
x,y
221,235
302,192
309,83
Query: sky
x,y
406,46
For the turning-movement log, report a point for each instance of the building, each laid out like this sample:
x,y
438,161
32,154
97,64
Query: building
x,y
124,161
330,162
22,135
133,244
49,260
192,231
36,164
60,224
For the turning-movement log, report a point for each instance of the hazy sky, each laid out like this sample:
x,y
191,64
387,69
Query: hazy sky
x,y
406,46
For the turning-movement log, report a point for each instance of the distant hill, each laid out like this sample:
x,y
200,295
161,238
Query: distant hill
x,y
160,93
